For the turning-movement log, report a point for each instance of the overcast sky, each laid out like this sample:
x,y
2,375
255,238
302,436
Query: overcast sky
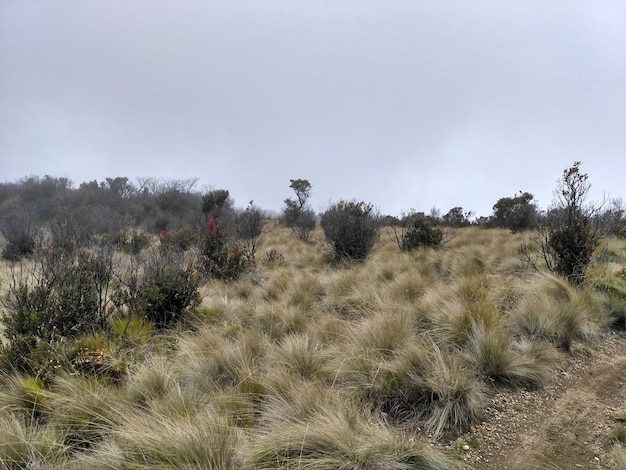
x,y
401,103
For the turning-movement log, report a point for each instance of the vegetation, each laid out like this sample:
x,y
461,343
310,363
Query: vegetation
x,y
515,213
569,234
184,353
417,230
351,228
297,214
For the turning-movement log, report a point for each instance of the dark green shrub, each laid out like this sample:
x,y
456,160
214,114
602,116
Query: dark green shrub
x,y
419,231
167,293
62,301
571,247
515,213
351,228
570,237
58,298
218,258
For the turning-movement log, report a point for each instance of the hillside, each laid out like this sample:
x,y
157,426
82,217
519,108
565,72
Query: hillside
x,y
396,362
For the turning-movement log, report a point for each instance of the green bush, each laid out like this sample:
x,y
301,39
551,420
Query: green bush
x,y
571,236
62,302
167,293
351,228
420,231
571,247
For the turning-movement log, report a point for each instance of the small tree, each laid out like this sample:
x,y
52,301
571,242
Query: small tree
x,y
296,213
351,228
456,217
515,213
568,237
418,230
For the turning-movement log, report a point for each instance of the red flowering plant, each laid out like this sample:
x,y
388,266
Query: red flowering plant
x,y
219,258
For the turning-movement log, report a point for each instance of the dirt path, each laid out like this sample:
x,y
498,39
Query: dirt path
x,y
568,425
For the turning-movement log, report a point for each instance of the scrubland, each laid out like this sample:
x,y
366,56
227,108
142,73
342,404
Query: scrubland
x,y
304,363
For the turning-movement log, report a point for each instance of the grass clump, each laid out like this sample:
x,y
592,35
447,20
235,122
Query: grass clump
x,y
340,437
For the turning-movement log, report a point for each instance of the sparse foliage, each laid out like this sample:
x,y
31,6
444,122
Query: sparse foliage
x,y
297,215
249,227
568,237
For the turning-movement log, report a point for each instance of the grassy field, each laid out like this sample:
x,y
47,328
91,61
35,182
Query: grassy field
x,y
303,364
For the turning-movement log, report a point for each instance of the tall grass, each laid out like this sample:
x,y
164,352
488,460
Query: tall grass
x,y
308,364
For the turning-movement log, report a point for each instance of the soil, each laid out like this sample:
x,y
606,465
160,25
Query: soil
x,y
570,424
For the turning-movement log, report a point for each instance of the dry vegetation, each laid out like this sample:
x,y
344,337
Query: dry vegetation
x,y
303,363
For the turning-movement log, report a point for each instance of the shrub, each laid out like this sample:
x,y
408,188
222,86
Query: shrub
x,y
20,235
249,229
167,293
134,242
219,259
351,228
568,236
180,239
515,213
419,231
60,300
23,244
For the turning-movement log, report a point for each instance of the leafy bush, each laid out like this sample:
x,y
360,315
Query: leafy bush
x,y
351,228
167,292
570,247
219,258
61,302
419,231
515,213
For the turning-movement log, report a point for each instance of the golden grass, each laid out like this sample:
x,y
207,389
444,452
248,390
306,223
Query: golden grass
x,y
308,364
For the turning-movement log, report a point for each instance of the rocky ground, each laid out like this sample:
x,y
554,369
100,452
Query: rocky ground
x,y
568,425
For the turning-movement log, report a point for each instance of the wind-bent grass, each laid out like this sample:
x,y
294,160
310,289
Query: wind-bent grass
x,y
309,364
552,309
340,436
84,410
24,444
204,440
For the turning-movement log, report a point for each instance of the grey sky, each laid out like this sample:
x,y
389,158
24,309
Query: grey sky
x,y
405,104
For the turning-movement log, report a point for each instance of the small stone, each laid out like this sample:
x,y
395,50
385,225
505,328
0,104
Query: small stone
x,y
466,447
